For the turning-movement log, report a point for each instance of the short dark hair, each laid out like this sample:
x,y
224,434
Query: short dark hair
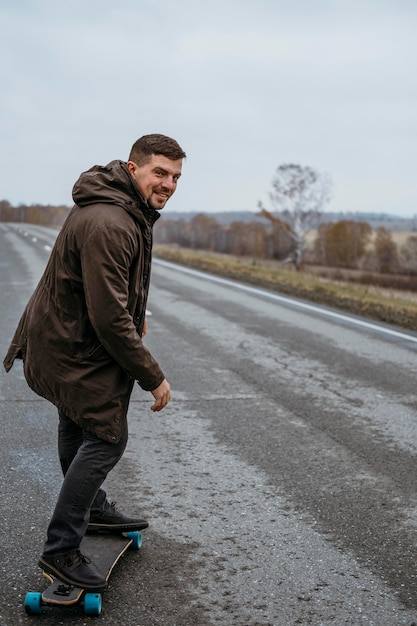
x,y
146,146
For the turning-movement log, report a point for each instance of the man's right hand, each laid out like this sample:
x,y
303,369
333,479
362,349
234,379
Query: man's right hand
x,y
162,395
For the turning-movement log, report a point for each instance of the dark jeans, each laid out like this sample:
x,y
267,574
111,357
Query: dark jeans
x,y
85,460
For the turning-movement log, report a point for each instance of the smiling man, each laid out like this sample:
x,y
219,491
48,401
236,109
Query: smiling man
x,y
80,338
156,175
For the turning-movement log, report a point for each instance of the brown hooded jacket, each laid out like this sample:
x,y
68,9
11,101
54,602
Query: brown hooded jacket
x,y
80,334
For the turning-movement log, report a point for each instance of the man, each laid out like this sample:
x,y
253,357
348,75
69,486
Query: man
x,y
80,338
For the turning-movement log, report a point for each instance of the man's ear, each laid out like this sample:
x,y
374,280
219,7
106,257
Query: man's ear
x,y
131,166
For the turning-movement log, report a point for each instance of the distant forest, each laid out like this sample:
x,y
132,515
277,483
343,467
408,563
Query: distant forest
x,y
51,215
44,215
341,241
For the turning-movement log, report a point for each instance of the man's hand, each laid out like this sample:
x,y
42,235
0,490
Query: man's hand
x,y
162,395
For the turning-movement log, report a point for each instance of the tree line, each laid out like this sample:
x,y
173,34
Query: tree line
x,y
44,215
343,244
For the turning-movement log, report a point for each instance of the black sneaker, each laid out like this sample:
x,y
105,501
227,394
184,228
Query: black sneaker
x,y
112,519
74,569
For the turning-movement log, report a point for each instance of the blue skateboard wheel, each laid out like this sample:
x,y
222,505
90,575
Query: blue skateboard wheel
x,y
92,604
33,603
136,538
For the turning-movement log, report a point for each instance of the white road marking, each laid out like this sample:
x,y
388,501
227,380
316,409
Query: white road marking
x,y
286,300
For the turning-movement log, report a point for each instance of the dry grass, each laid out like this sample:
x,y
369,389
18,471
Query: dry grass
x,y
386,305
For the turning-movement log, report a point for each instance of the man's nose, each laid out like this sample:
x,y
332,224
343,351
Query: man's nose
x,y
170,182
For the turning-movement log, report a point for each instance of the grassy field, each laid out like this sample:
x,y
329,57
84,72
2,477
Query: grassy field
x,y
385,305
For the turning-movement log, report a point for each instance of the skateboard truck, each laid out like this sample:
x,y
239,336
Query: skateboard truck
x,y
63,590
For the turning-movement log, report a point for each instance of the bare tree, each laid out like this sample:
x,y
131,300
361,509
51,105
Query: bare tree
x,y
299,194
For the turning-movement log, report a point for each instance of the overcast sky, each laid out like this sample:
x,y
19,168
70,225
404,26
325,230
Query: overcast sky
x,y
243,85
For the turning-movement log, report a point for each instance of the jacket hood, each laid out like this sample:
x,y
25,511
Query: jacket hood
x,y
111,184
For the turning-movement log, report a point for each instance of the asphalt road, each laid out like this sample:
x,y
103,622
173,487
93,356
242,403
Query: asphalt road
x,y
280,483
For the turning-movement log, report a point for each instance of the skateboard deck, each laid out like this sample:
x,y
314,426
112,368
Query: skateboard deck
x,y
105,550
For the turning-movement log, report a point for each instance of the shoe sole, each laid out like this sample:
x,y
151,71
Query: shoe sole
x,y
116,527
55,573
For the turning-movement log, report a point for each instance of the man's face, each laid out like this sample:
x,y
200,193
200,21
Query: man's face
x,y
157,180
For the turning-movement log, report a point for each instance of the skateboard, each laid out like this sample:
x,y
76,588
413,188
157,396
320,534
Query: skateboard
x,y
105,550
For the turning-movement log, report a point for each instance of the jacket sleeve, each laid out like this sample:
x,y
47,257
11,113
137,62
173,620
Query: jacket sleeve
x,y
106,259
